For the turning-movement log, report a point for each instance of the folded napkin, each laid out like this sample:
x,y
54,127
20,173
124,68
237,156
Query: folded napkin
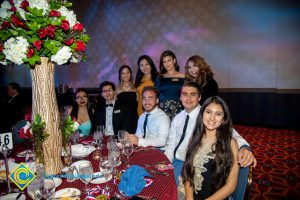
x,y
81,150
132,180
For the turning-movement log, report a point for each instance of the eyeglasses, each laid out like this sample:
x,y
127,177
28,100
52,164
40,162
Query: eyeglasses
x,y
81,97
106,91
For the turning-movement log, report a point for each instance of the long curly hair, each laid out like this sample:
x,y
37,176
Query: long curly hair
x,y
161,63
139,74
221,149
204,70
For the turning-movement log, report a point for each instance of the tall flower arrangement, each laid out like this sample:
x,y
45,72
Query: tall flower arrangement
x,y
31,29
39,34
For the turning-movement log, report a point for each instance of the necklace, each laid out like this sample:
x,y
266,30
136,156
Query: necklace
x,y
126,88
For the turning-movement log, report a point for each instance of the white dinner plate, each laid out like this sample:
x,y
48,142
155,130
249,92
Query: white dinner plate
x,y
13,196
88,150
22,154
57,182
101,178
77,163
66,192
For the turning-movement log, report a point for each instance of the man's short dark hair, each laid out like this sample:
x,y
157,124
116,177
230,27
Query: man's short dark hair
x,y
105,83
15,86
150,88
193,85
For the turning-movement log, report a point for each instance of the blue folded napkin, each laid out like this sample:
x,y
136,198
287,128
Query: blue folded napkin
x,y
132,180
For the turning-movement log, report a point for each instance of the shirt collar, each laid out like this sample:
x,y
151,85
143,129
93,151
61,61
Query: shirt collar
x,y
194,113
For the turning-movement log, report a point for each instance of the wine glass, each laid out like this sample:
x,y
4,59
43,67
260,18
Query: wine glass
x,y
106,169
114,159
127,150
86,174
98,136
49,188
112,144
121,135
35,188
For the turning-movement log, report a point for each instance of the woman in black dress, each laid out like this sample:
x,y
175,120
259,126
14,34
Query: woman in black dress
x,y
197,70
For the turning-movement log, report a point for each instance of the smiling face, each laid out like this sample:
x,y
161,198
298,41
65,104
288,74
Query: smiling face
x,y
189,98
192,69
213,116
125,75
145,67
108,93
149,100
82,99
169,63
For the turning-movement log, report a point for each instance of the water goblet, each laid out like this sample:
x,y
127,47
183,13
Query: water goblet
x,y
121,135
106,170
112,144
127,150
49,188
86,174
114,159
35,188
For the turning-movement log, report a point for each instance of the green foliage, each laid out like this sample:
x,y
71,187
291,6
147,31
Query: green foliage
x,y
39,136
67,129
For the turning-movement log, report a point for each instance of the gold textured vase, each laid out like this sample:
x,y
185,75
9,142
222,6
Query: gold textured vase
x,y
44,103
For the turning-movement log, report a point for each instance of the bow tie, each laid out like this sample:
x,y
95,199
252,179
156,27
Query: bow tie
x,y
110,105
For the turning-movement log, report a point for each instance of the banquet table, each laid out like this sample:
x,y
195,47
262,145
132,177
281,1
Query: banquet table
x,y
162,187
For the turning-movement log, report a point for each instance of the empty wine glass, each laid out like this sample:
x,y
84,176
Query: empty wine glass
x,y
49,188
35,188
112,144
106,169
121,135
86,174
98,136
114,159
127,150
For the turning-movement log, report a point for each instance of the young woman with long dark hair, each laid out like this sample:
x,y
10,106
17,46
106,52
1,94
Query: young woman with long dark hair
x,y
145,76
211,169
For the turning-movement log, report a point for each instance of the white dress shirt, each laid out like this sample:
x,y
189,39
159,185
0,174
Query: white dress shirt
x,y
109,130
157,128
176,131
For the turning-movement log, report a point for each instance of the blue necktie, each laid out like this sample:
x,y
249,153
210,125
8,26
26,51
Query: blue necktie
x,y
183,134
145,124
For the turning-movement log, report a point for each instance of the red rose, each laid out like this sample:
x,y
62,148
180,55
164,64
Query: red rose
x,y
54,13
5,24
28,117
69,41
42,32
65,25
51,30
24,5
17,22
13,9
78,27
80,46
1,48
30,52
38,44
11,2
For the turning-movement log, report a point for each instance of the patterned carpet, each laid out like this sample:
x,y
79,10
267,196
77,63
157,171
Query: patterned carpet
x,y
277,175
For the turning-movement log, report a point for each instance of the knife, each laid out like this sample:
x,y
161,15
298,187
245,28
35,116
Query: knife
x,y
19,195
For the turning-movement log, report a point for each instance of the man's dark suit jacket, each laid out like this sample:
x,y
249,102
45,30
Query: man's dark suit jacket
x,y
15,111
122,119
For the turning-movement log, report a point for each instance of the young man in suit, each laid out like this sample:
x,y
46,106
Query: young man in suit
x,y
112,114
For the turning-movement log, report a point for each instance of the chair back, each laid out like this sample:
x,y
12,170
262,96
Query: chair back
x,y
244,183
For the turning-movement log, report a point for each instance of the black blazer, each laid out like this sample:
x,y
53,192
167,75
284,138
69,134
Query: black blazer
x,y
15,110
121,119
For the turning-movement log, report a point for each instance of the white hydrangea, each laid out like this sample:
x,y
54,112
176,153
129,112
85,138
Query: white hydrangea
x,y
3,62
40,4
15,49
4,10
75,59
69,14
62,56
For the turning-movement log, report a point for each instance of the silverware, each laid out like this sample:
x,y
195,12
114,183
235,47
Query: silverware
x,y
19,195
72,196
